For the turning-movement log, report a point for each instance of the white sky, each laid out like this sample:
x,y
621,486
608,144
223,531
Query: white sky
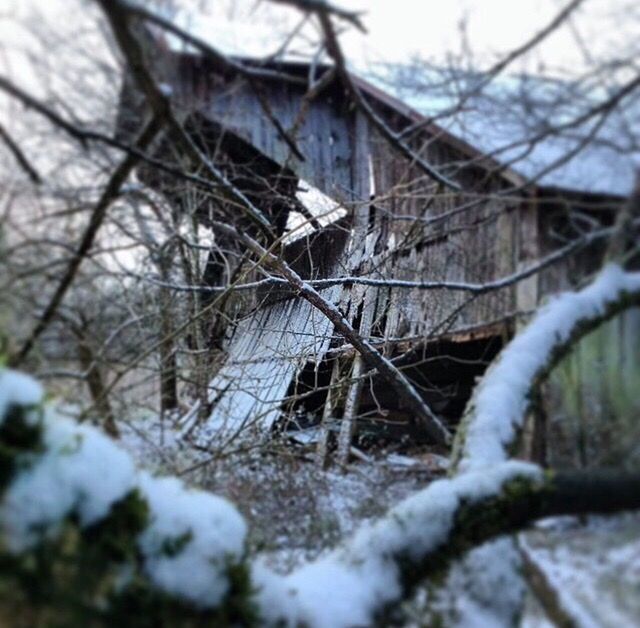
x,y
398,29
430,27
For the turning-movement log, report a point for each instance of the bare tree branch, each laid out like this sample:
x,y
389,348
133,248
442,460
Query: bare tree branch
x,y
209,577
333,47
488,76
322,6
110,193
118,18
497,409
569,249
19,156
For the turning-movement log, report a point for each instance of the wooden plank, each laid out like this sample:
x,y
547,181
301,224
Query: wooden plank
x,y
528,251
348,424
328,417
323,137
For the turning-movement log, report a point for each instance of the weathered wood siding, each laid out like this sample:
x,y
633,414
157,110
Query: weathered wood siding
x,y
477,245
325,137
558,222
345,160
401,224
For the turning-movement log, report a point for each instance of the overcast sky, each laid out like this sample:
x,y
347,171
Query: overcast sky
x,y
398,29
433,29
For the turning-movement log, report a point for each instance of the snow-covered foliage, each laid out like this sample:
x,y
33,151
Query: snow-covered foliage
x,y
17,389
80,471
76,471
500,402
213,531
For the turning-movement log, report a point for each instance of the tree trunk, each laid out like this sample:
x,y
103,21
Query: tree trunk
x,y
168,359
97,388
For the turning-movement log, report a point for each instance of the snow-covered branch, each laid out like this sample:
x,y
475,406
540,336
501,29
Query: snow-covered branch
x,y
497,410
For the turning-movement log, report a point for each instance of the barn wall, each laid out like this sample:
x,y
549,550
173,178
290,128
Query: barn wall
x,y
401,225
557,224
325,136
474,246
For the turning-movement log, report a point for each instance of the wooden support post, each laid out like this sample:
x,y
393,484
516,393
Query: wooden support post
x,y
534,433
528,251
328,417
348,425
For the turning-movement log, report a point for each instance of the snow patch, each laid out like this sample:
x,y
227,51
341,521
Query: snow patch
x,y
190,540
81,471
593,566
18,389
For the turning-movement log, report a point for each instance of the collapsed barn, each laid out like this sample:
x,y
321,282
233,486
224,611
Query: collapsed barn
x,y
436,272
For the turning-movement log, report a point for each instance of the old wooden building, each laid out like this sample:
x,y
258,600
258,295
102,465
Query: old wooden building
x,y
348,204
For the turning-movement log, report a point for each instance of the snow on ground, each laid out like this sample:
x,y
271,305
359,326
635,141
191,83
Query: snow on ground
x,y
294,510
593,566
73,471
297,513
